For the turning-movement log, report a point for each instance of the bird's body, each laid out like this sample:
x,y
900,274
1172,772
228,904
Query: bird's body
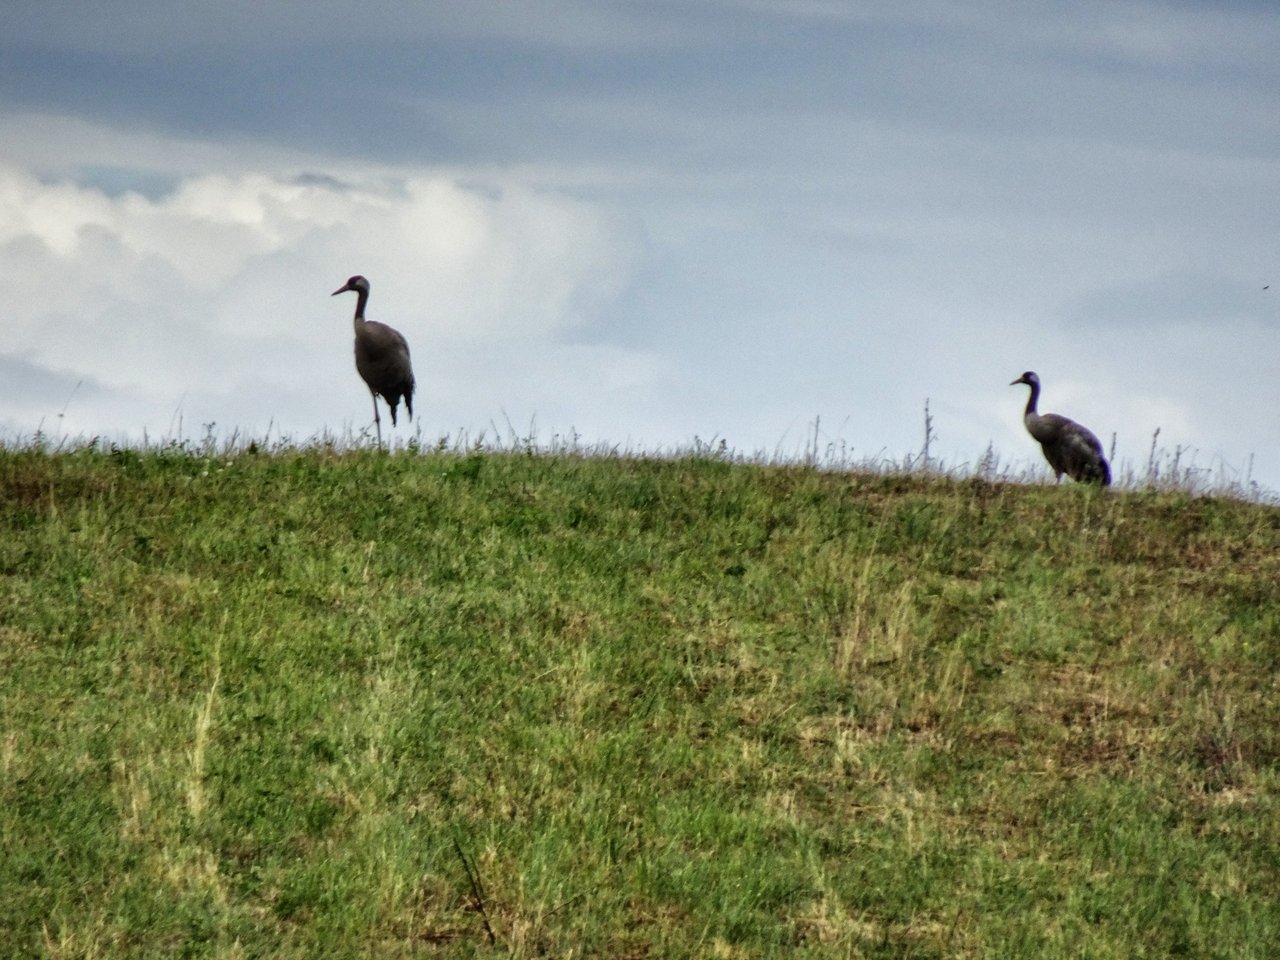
x,y
1069,447
382,357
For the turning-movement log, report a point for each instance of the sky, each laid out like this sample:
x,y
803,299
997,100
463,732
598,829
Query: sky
x,y
784,225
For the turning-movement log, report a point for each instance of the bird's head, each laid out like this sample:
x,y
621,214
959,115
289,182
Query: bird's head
x,y
356,283
1029,378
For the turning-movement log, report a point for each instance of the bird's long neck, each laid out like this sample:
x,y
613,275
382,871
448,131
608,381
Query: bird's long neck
x,y
1031,400
362,297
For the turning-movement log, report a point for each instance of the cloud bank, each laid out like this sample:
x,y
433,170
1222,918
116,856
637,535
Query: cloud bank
x,y
210,302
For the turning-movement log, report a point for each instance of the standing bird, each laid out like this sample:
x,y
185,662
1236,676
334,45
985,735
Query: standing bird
x,y
1069,447
382,357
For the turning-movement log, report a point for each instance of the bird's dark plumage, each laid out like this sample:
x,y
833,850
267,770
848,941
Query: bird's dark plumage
x,y
382,357
1069,447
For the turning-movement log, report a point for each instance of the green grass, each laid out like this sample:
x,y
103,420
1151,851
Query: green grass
x,y
291,704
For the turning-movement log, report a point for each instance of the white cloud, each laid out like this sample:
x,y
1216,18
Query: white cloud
x,y
221,286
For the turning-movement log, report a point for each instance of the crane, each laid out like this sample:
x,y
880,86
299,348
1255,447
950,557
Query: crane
x,y
382,357
1069,447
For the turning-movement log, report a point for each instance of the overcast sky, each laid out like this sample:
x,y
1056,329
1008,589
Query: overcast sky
x,y
649,222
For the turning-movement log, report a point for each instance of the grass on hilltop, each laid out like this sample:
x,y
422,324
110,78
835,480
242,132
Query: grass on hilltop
x,y
321,703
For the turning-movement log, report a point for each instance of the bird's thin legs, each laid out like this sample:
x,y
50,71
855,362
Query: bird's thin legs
x,y
377,421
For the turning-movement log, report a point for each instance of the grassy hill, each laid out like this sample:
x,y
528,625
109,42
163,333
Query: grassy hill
x,y
336,704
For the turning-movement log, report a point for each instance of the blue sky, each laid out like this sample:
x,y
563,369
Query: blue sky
x,y
650,222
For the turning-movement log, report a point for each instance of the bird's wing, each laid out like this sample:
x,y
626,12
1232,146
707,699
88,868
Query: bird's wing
x,y
1084,439
382,337
1082,454
1053,426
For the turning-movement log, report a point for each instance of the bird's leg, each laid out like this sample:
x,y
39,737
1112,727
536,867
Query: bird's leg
x,y
377,421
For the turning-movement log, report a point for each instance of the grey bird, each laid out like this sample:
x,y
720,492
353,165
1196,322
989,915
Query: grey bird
x,y
382,357
1069,447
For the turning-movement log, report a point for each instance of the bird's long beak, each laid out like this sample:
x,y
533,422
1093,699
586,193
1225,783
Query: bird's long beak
x,y
1012,383
343,289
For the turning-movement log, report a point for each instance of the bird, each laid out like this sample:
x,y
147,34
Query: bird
x,y
1069,447
382,357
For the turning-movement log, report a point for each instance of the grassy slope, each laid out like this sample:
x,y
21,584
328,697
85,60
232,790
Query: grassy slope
x,y
259,706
